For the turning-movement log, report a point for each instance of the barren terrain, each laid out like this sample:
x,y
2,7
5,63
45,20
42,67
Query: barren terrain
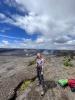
x,y
14,70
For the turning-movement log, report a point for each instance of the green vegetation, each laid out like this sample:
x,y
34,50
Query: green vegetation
x,y
25,85
67,61
31,62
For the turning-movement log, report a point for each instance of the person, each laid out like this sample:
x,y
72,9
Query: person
x,y
40,70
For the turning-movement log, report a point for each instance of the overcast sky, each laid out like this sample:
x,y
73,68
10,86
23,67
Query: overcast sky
x,y
44,24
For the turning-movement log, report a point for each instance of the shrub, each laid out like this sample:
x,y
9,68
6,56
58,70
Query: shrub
x,y
25,85
67,61
31,63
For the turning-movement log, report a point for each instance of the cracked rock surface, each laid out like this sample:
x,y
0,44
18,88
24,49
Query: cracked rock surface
x,y
14,70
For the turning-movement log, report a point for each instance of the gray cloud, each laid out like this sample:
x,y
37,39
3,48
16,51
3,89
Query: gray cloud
x,y
54,19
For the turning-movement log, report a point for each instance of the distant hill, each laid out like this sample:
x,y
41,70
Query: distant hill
x,y
32,52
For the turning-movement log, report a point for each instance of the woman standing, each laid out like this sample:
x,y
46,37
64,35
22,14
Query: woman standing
x,y
40,70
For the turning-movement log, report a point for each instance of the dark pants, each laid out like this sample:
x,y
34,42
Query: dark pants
x,y
40,76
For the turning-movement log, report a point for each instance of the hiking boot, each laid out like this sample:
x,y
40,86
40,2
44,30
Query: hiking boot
x,y
42,93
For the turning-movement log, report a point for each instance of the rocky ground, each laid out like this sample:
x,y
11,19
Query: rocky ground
x,y
14,70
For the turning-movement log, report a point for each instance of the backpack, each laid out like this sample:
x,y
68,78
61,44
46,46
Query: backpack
x,y
63,82
71,83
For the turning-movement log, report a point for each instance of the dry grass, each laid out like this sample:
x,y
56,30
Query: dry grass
x,y
25,85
